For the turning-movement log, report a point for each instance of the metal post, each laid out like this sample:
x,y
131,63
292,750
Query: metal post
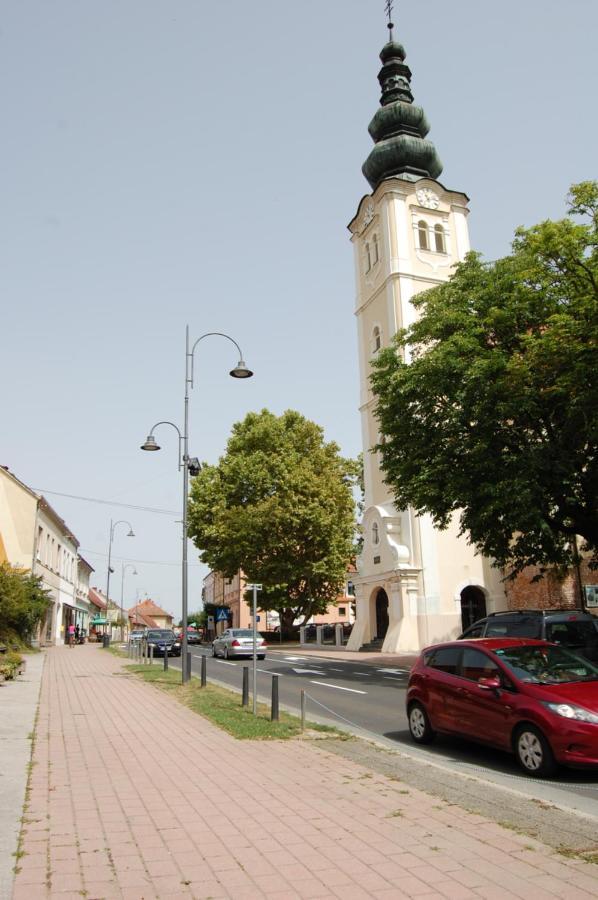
x,y
185,673
274,714
245,701
302,709
151,649
188,665
165,661
108,578
204,671
254,660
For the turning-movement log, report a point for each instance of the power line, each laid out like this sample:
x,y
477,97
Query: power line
x,y
141,562
150,509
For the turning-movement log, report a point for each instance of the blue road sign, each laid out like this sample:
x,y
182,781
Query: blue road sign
x,y
221,614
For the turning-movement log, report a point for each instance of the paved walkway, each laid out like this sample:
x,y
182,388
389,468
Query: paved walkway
x,y
18,703
134,796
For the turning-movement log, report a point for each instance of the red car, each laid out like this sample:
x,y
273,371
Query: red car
x,y
532,698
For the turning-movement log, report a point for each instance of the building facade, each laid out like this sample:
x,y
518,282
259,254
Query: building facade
x,y
415,584
35,538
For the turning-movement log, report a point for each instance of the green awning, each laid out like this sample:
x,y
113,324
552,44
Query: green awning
x,y
98,620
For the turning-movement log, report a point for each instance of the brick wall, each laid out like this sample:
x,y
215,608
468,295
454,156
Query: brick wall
x,y
550,592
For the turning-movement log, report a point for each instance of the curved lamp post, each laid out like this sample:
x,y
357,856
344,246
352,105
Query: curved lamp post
x,y
190,466
131,533
122,594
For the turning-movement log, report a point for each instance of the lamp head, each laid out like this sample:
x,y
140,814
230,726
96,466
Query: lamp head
x,y
194,466
241,370
150,443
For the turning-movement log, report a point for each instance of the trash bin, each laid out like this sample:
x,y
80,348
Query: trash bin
x,y
106,640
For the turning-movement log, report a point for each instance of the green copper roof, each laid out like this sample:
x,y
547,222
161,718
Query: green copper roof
x,y
399,128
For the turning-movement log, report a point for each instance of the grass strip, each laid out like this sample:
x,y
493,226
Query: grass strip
x,y
223,707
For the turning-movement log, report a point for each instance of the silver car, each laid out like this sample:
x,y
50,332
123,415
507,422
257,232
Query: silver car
x,y
238,642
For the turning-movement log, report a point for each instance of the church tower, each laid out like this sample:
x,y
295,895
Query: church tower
x,y
415,584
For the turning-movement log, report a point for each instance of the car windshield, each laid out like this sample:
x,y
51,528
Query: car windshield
x,y
242,632
163,634
541,664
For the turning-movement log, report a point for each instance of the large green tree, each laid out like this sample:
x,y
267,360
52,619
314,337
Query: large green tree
x,y
23,602
279,505
489,402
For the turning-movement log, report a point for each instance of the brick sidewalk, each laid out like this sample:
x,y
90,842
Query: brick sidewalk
x,y
134,796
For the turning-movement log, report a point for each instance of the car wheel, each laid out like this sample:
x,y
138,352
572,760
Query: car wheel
x,y
534,753
213,650
261,657
419,725
226,652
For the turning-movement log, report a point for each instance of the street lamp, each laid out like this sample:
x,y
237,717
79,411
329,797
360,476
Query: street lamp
x,y
122,593
131,533
190,465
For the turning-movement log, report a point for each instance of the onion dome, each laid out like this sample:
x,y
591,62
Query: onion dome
x,y
399,128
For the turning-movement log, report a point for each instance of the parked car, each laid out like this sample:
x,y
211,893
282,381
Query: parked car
x,y
236,642
137,635
194,637
164,641
531,698
575,630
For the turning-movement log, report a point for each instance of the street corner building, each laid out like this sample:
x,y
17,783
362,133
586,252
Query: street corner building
x,y
415,584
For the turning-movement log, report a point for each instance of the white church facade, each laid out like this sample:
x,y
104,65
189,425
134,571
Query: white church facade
x,y
415,585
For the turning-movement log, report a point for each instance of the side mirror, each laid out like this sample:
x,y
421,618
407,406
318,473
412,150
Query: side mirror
x,y
490,684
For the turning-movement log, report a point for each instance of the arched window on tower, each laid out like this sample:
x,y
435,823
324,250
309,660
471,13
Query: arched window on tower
x,y
368,258
375,534
439,241
422,233
376,248
376,339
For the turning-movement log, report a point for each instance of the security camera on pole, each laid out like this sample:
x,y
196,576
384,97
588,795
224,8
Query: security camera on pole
x,y
255,588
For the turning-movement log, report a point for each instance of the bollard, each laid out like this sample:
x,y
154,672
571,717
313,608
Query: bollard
x,y
245,701
204,677
302,709
274,715
188,670
151,659
165,661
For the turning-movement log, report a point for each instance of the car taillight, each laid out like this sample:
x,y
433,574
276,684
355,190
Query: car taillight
x,y
235,644
263,644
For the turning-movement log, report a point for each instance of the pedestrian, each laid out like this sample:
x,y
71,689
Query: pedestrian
x,y
77,634
71,635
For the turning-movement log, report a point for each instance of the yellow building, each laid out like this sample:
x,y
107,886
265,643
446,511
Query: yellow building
x,y
33,537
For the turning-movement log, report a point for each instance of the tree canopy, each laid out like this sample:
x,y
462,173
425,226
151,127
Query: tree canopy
x,y
489,402
23,602
278,506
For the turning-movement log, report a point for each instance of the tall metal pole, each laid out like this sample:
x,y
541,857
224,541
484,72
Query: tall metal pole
x,y
185,673
108,576
254,661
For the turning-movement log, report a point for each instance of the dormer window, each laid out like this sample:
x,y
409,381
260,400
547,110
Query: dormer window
x,y
439,242
422,234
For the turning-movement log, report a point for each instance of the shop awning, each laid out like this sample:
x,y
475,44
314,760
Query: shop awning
x,y
98,620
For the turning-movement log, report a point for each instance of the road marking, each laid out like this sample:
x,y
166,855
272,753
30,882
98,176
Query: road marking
x,y
309,671
335,670
392,678
224,662
296,658
338,687
394,671
365,674
269,672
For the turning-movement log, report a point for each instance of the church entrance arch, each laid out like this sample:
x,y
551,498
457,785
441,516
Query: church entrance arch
x,y
473,605
381,614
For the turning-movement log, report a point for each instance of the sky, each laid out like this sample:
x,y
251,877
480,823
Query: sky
x,y
174,162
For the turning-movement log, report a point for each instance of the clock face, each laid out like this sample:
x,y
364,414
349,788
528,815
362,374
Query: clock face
x,y
427,198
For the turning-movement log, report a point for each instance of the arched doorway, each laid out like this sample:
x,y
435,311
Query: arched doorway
x,y
473,605
381,614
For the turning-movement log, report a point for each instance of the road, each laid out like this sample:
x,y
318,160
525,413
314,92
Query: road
x,y
369,700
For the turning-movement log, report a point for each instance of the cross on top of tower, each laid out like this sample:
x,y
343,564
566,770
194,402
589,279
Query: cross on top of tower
x,y
388,6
